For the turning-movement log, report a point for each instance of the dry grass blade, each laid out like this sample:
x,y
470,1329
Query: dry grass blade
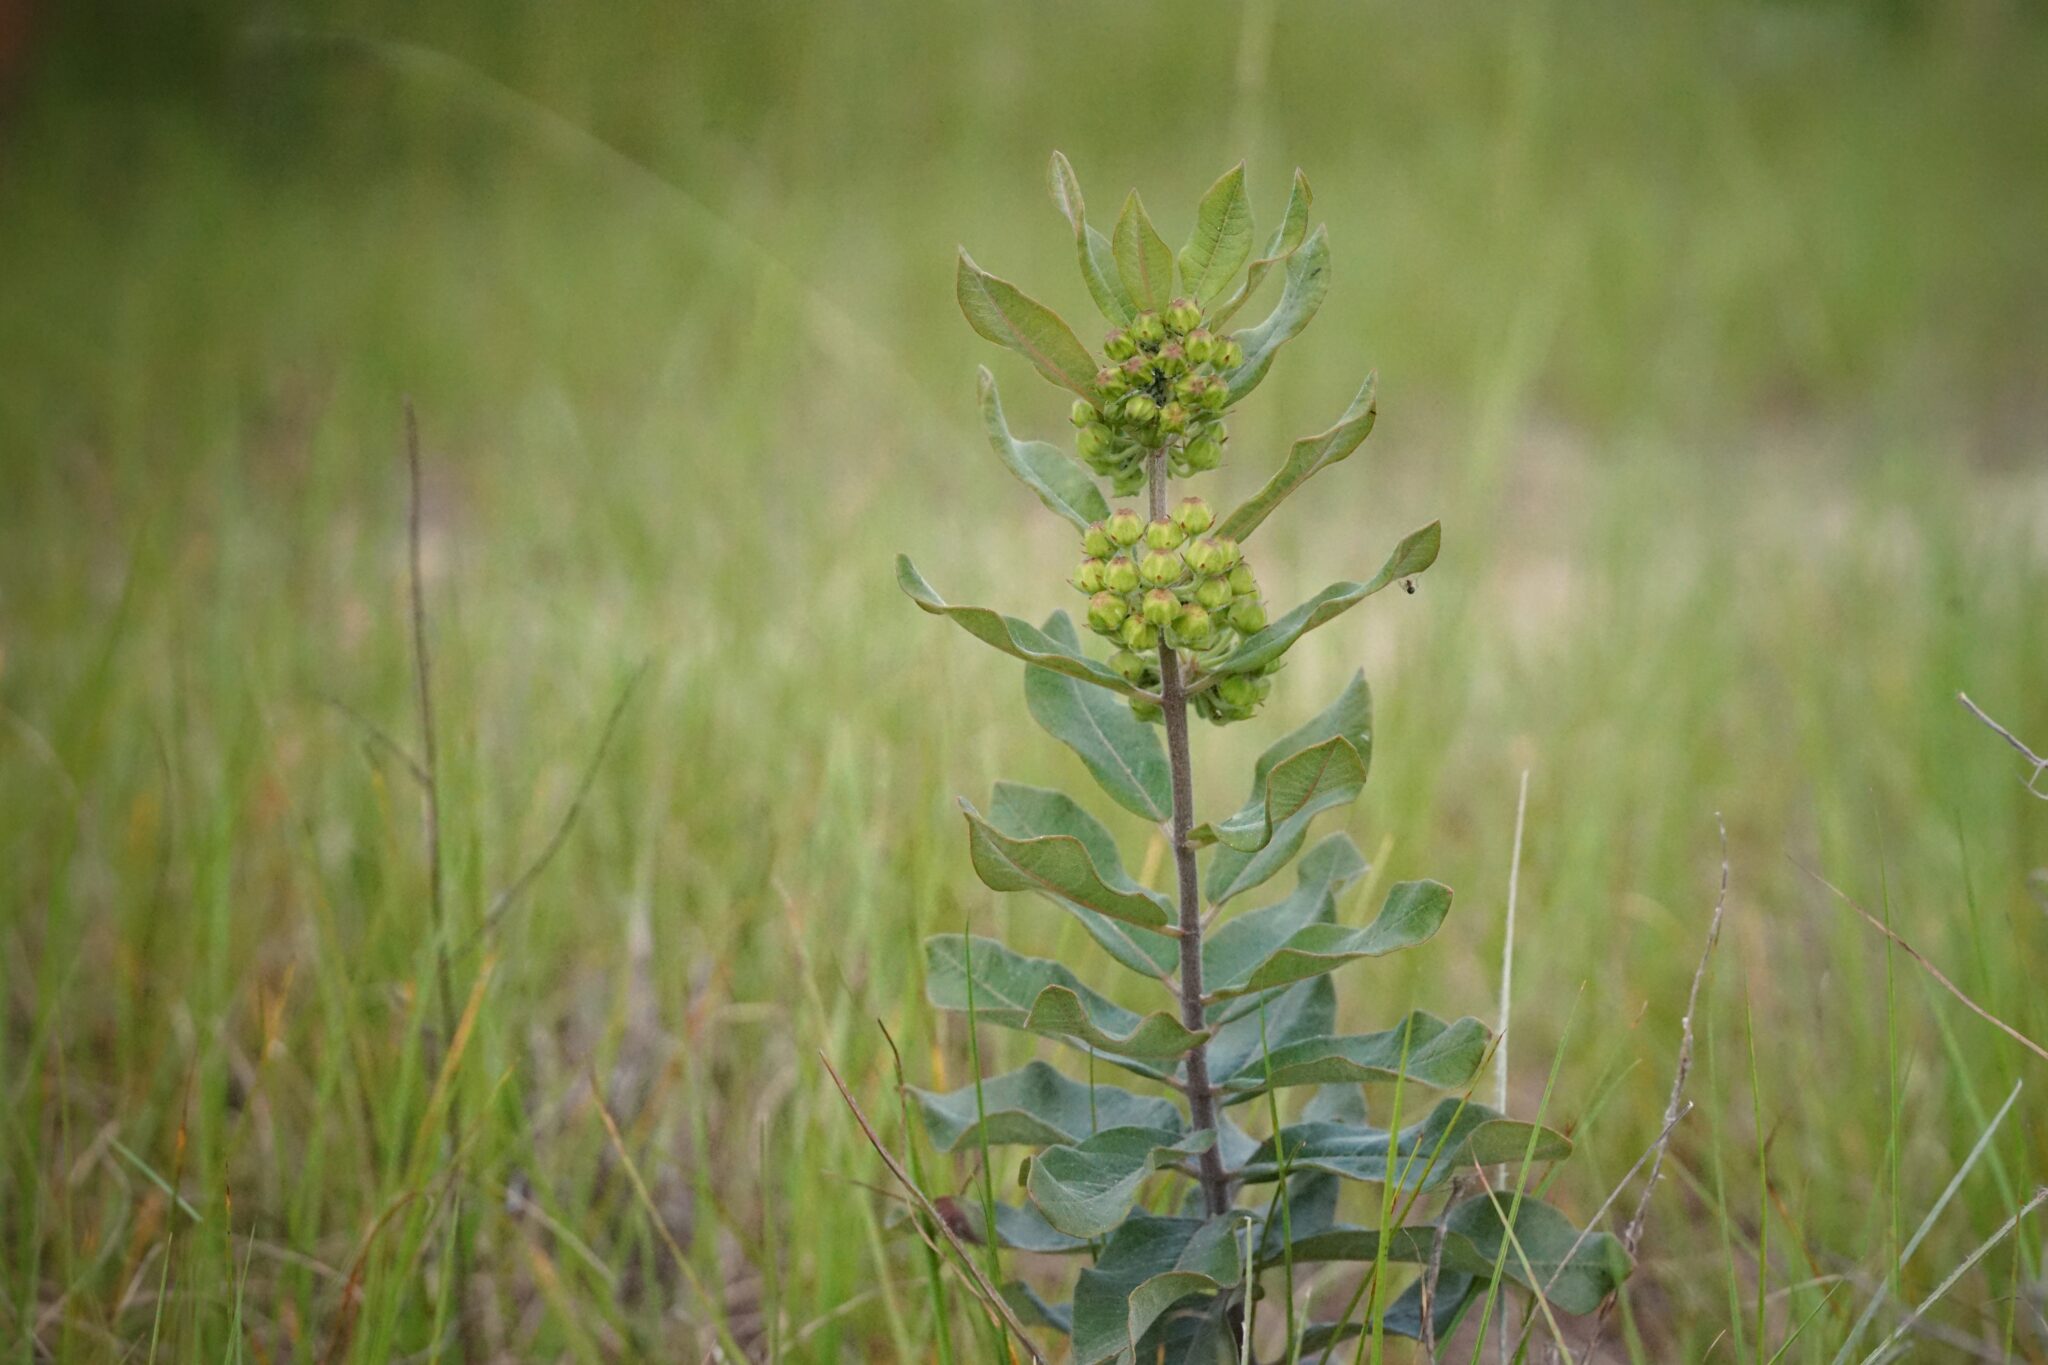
x,y
986,1291
1940,1290
2040,763
1910,951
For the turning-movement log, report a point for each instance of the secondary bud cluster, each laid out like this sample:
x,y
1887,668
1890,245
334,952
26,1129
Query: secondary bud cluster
x,y
1169,584
1164,388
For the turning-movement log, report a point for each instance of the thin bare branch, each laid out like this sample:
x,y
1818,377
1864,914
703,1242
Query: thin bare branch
x,y
1910,951
2040,763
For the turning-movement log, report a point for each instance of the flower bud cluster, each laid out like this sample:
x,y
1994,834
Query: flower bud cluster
x,y
1164,388
1168,584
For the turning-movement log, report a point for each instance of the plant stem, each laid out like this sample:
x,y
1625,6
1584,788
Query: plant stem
x,y
1174,701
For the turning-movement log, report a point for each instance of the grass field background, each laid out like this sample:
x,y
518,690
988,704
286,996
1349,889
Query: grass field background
x,y
1715,335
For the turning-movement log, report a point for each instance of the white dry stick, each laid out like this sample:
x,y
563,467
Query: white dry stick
x,y
1877,1300
1507,985
1899,1332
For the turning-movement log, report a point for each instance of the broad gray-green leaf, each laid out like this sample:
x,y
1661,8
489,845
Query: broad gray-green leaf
x,y
1238,946
1042,841
1124,754
1018,807
1442,1056
1307,284
1306,458
1455,1136
1038,996
1098,259
1222,239
1574,1271
1321,764
1019,1227
1454,1294
1416,552
1062,485
1085,1190
1018,639
1412,914
1032,1307
1298,1013
1149,1265
1009,317
1036,1106
1285,240
1143,258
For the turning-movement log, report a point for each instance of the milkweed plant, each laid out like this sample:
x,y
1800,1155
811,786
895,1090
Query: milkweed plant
x,y
1181,1222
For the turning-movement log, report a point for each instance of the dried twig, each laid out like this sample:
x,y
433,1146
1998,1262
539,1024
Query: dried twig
x,y
2040,763
980,1282
380,738
1910,951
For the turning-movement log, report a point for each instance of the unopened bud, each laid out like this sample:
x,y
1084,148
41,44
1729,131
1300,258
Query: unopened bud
x,y
1238,692
1229,355
1083,413
1092,443
1247,615
1213,593
1137,371
1118,345
1138,633
1110,381
1172,359
1160,607
1163,533
1088,578
1095,541
1139,407
1202,557
1147,329
1128,666
1200,345
1204,453
1215,395
1146,711
1228,550
1107,612
1241,581
1193,624
1183,314
1160,570
1124,527
1120,575
1172,417
1194,516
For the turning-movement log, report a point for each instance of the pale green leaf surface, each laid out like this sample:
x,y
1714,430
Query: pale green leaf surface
x,y
1301,294
1056,863
1098,258
1123,753
1018,639
1413,912
1037,1106
1006,315
1439,1055
1416,552
1222,238
1306,458
1451,1139
1060,483
1149,1265
1143,259
1017,807
1285,240
1238,946
1086,1189
1038,996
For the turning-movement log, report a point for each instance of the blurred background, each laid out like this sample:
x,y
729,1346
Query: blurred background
x,y
1715,335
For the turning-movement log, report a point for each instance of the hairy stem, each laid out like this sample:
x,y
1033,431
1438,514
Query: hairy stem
x,y
1174,700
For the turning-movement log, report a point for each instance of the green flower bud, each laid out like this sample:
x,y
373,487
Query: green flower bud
x,y
1229,355
1194,516
1137,371
1183,314
1200,345
1139,407
1088,578
1147,329
1247,615
1124,527
1107,612
1092,443
1147,711
1172,359
1193,624
1128,666
1161,606
1120,575
1204,453
1119,345
1160,570
1202,557
1213,593
1138,633
1231,555
1163,533
1095,541
1215,395
1241,581
1238,692
1110,380
1172,417
1083,413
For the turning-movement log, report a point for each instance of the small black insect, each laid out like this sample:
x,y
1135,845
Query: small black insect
x,y
1409,584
